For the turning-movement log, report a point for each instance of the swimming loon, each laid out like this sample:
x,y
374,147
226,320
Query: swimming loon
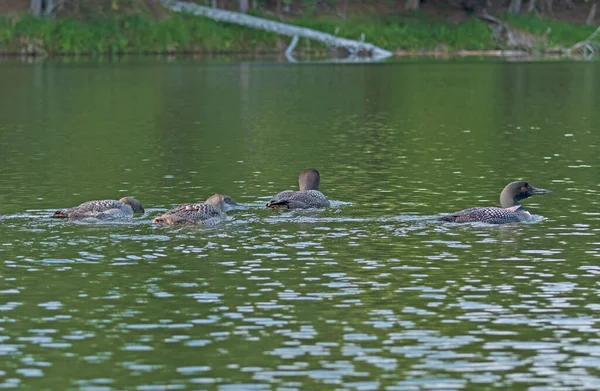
x,y
102,209
309,195
511,210
211,212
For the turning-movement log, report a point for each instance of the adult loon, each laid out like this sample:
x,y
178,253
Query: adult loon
x,y
211,212
309,195
511,210
102,209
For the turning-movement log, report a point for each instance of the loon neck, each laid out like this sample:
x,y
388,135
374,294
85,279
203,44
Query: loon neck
x,y
509,203
508,199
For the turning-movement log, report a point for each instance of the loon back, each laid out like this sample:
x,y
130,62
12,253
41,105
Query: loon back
x,y
102,209
489,215
203,214
210,212
299,200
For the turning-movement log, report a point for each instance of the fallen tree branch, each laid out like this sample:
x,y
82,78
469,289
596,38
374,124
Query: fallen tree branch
x,y
589,47
513,38
351,46
290,49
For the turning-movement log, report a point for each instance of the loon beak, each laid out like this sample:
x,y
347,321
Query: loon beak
x,y
234,206
536,191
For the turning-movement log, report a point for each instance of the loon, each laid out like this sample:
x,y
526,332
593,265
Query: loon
x,y
102,209
309,195
211,212
511,210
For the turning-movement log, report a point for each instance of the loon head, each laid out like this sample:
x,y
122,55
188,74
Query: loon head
x,y
309,179
159,220
223,202
60,214
168,219
517,191
133,203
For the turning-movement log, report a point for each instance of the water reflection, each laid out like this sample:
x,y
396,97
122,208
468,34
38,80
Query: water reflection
x,y
370,294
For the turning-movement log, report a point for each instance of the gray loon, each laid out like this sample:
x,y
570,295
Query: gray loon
x,y
511,210
102,209
211,212
309,195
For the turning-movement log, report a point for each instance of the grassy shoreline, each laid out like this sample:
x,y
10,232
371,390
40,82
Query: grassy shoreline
x,y
186,34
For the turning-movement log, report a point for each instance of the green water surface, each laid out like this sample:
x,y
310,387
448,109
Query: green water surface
x,y
371,294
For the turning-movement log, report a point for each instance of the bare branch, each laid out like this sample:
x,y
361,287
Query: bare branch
x,y
588,47
290,49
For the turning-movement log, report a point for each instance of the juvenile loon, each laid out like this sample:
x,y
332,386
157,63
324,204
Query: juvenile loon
x,y
211,212
511,210
309,195
102,209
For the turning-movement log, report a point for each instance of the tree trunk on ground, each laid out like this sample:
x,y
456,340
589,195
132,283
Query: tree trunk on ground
x,y
411,5
243,6
36,8
592,15
255,4
354,47
531,6
514,7
213,3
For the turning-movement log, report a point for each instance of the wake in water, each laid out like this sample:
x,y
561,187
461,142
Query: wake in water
x,y
255,213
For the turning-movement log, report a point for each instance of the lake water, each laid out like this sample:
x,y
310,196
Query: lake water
x,y
372,294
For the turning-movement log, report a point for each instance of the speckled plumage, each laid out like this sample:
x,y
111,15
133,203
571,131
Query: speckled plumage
x,y
203,214
489,215
299,200
102,209
308,197
510,211
210,212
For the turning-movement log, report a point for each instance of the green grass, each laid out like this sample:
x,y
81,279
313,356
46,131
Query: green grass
x,y
130,34
561,34
140,33
408,33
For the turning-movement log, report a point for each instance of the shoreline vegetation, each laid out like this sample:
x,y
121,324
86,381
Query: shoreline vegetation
x,y
180,34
